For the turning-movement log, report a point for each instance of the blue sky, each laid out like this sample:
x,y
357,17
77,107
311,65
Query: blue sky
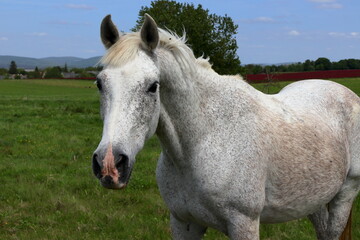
x,y
270,31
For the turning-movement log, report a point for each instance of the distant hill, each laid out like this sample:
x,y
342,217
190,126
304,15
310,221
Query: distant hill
x,y
31,63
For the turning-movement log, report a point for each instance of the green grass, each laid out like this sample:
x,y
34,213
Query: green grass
x,y
48,131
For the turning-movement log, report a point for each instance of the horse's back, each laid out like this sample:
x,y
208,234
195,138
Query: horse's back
x,y
312,94
328,101
317,124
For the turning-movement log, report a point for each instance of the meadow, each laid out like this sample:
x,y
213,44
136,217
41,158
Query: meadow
x,y
48,131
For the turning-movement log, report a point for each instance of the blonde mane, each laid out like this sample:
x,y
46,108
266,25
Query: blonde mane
x,y
126,49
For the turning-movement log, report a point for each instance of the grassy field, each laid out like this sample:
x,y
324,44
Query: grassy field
x,y
48,131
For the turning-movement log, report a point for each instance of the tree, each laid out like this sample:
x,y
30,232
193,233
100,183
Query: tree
x,y
209,35
53,72
35,74
3,71
65,69
295,67
309,65
353,63
13,68
323,64
253,69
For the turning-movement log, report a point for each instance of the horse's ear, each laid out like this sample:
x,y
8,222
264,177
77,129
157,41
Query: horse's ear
x,y
149,33
108,31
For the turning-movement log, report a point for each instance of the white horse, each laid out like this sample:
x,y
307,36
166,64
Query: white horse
x,y
232,157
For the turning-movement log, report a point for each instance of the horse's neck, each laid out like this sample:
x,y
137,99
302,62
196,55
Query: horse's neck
x,y
181,122
190,103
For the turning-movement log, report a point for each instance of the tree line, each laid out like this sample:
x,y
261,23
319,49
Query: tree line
x,y
50,72
321,64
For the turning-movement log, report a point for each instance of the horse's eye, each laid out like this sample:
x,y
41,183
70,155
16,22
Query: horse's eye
x,y
98,84
153,87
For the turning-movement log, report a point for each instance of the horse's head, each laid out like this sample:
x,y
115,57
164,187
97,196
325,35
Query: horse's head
x,y
130,101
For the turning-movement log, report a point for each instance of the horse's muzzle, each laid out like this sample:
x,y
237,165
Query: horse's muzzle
x,y
113,172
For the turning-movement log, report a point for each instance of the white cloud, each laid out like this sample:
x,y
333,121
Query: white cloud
x,y
38,34
79,6
64,22
264,19
331,6
322,1
344,35
259,20
327,4
3,39
337,34
294,33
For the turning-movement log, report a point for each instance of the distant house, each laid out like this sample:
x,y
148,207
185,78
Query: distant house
x,y
70,75
95,73
17,76
2,77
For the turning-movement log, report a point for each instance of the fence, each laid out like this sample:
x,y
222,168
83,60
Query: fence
x,y
260,78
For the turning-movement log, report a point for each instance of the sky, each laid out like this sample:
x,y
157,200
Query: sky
x,y
269,31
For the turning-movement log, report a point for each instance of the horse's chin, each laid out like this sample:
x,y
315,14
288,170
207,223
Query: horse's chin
x,y
114,186
115,183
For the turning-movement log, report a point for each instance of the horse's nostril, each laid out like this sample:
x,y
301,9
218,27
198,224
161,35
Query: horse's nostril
x,y
107,180
96,166
122,165
122,160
